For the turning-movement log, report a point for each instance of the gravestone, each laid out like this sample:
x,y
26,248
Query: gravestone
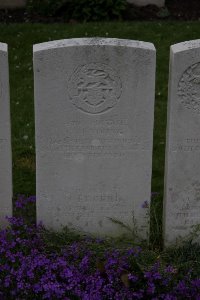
x,y
5,139
159,3
94,109
12,4
182,178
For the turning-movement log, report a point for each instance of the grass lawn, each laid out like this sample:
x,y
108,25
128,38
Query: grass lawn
x,y
21,37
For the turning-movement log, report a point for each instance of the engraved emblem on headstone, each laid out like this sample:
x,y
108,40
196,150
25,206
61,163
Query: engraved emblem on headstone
x,y
189,88
94,88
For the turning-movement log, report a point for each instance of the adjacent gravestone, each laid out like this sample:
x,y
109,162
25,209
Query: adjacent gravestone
x,y
5,139
159,3
182,179
94,109
12,4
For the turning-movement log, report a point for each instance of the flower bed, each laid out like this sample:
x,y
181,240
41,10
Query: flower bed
x,y
33,266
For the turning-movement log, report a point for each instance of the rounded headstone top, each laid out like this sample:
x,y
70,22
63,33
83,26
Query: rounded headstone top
x,y
96,41
185,46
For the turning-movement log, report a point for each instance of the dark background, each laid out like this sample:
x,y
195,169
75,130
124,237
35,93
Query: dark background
x,y
187,10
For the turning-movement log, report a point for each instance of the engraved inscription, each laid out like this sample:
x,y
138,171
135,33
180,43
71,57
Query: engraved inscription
x,y
187,145
106,202
97,140
189,88
94,88
187,213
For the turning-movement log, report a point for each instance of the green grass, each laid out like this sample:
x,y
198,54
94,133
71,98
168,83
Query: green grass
x,y
21,37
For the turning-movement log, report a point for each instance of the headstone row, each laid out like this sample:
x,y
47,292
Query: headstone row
x,y
94,111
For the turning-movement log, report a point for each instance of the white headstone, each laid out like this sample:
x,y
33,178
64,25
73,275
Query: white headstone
x,y
5,139
12,4
94,109
182,178
159,3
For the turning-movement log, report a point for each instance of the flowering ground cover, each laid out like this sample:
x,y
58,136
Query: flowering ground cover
x,y
37,264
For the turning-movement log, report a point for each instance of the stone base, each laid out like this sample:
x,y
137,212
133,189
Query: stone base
x,y
159,3
12,3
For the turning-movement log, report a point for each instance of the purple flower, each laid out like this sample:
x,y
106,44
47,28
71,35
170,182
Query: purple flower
x,y
145,204
170,269
132,277
151,288
135,251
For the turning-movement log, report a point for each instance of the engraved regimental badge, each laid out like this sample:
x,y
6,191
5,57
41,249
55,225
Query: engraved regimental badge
x,y
189,88
94,88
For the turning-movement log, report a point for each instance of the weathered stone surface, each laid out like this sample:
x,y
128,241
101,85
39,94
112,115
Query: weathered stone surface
x,y
159,3
5,139
182,178
94,108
